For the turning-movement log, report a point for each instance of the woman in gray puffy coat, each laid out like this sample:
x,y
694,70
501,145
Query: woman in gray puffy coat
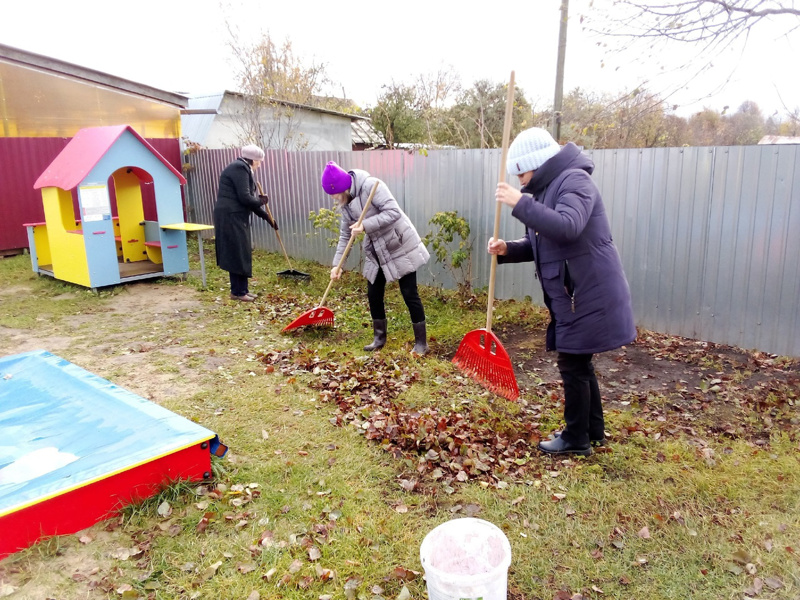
x,y
585,290
393,250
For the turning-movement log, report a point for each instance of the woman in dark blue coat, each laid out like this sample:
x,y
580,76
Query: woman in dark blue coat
x,y
584,286
237,199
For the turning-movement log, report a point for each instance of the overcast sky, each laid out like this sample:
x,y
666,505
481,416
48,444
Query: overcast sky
x,y
183,47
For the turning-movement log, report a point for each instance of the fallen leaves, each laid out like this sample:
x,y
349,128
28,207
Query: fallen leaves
x,y
126,553
205,521
207,574
773,583
446,446
164,509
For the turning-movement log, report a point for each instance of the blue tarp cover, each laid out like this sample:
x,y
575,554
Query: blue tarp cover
x,y
62,427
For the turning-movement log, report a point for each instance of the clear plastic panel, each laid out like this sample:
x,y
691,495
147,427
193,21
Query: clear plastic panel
x,y
44,104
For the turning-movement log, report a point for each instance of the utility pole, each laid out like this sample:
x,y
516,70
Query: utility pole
x,y
558,101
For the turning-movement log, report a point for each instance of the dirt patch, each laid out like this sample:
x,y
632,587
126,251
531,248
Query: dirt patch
x,y
16,341
130,340
688,385
64,561
154,299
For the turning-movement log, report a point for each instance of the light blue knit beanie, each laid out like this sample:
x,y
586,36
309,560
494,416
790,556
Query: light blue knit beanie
x,y
530,150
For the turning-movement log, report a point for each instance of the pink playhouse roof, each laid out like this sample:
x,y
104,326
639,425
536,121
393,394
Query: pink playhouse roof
x,y
84,151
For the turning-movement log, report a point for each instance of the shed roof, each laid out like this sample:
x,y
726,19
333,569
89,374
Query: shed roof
x,y
779,139
364,133
196,123
60,67
84,151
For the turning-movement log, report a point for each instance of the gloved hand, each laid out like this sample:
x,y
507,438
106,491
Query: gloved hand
x,y
263,198
273,223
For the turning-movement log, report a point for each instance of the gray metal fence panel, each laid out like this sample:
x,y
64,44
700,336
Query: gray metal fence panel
x,y
785,251
708,236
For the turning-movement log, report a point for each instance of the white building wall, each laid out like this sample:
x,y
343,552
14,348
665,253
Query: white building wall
x,y
311,130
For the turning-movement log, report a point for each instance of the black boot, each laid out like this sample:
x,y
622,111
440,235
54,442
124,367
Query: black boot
x,y
559,446
420,338
594,441
379,328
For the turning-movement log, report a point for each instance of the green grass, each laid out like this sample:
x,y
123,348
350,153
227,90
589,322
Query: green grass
x,y
716,520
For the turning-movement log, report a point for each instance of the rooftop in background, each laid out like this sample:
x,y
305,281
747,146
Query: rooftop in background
x,y
60,67
206,112
779,139
47,97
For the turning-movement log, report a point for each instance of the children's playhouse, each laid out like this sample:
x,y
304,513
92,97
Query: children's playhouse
x,y
114,177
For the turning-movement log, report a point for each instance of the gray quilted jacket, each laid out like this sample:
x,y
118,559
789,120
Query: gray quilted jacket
x,y
391,241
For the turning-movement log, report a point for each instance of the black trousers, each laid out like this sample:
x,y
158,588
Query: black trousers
x,y
238,284
408,288
583,406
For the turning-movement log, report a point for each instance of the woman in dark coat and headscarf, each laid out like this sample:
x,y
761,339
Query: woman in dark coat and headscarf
x,y
585,290
237,199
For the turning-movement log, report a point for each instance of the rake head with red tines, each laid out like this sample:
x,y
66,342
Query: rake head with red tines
x,y
320,316
482,356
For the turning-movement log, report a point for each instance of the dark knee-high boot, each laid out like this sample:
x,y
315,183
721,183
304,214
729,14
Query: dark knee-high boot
x,y
379,330
420,338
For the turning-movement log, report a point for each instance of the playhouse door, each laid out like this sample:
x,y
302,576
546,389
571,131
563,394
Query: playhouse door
x,y
130,212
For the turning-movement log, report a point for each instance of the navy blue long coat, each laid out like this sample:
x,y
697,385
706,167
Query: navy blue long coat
x,y
569,237
236,201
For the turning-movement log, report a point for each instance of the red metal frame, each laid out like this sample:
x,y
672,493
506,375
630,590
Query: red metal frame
x,y
84,506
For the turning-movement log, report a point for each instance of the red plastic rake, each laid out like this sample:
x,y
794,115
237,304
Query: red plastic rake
x,y
481,355
320,315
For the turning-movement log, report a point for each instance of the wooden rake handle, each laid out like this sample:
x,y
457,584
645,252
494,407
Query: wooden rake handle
x,y
350,241
280,241
501,177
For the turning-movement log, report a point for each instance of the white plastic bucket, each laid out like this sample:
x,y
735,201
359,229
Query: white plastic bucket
x,y
466,559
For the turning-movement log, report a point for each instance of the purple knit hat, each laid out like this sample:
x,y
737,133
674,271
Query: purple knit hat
x,y
335,180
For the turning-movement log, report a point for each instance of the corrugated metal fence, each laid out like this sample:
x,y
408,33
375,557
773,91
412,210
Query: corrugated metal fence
x,y
710,237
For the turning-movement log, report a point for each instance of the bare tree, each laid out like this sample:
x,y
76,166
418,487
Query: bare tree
x,y
708,22
633,119
791,126
746,126
434,94
274,83
649,30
